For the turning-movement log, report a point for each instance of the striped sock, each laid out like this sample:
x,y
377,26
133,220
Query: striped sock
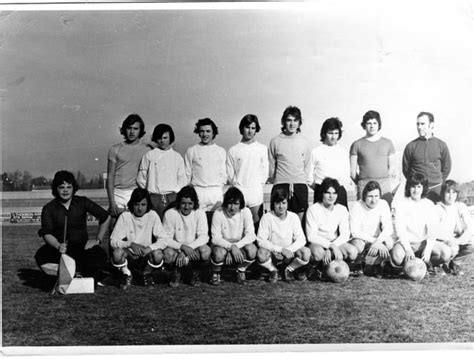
x,y
123,267
268,265
216,267
242,267
296,263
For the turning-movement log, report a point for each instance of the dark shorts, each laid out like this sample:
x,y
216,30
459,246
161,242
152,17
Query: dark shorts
x,y
298,201
161,202
341,195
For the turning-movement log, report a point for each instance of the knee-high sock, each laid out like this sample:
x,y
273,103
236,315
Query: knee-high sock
x,y
268,265
123,267
216,267
243,266
296,263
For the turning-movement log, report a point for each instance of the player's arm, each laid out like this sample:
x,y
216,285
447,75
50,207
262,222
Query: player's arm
x,y
111,167
47,231
202,230
271,161
312,229
263,236
104,221
142,176
299,239
355,221
344,231
264,166
445,163
353,167
216,231
249,229
230,167
188,165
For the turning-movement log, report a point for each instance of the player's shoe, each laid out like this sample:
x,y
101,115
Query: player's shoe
x,y
273,278
455,269
241,278
126,282
288,275
195,279
301,276
175,278
148,281
215,279
314,273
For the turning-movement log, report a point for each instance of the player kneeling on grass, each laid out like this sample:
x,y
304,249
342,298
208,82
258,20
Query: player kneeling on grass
x,y
371,227
135,238
327,229
415,226
455,226
233,234
186,236
64,229
281,239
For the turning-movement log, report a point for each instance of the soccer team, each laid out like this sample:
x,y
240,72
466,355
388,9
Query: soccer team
x,y
170,212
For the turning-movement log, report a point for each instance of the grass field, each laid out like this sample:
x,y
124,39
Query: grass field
x,y
361,310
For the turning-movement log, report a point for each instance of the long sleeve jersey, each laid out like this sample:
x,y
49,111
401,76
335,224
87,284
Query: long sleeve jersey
x,y
247,165
238,229
141,230
275,234
191,230
206,165
325,226
329,161
455,223
370,224
428,157
162,171
289,159
415,221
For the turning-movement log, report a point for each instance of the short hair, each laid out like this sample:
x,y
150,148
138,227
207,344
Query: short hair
x,y
160,130
427,114
205,122
232,195
370,186
187,192
130,120
449,185
325,185
293,111
331,124
370,115
415,180
138,195
59,178
247,120
278,195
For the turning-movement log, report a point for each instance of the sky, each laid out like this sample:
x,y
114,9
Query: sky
x,y
69,78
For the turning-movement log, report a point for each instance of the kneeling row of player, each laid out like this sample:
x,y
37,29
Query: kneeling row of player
x,y
183,240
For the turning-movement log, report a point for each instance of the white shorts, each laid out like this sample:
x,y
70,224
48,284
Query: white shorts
x,y
122,196
253,196
210,198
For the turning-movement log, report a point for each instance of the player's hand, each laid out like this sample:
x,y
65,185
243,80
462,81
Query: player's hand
x,y
137,248
62,248
426,256
237,254
146,251
327,256
115,210
91,243
378,248
409,255
228,259
191,253
287,253
336,251
182,260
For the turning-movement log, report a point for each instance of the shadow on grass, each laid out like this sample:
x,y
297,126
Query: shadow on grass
x,y
34,278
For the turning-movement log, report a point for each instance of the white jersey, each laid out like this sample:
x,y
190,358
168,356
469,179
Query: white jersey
x,y
162,172
329,161
238,229
191,230
455,223
275,234
325,226
205,165
131,229
370,224
247,165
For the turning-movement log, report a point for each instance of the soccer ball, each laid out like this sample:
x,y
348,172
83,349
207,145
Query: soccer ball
x,y
415,269
337,271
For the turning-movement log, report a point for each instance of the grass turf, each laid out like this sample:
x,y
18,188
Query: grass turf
x,y
361,310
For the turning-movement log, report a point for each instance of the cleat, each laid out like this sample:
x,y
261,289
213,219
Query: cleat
x,y
301,276
356,273
175,279
273,278
148,281
241,278
456,269
288,275
195,279
216,279
314,273
127,282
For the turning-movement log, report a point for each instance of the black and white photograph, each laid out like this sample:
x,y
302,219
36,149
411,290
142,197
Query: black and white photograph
x,y
236,177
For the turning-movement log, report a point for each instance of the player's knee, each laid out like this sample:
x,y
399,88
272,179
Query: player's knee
x,y
316,253
169,255
263,255
397,254
445,254
118,256
204,252
304,254
218,254
156,256
351,252
250,251
359,244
